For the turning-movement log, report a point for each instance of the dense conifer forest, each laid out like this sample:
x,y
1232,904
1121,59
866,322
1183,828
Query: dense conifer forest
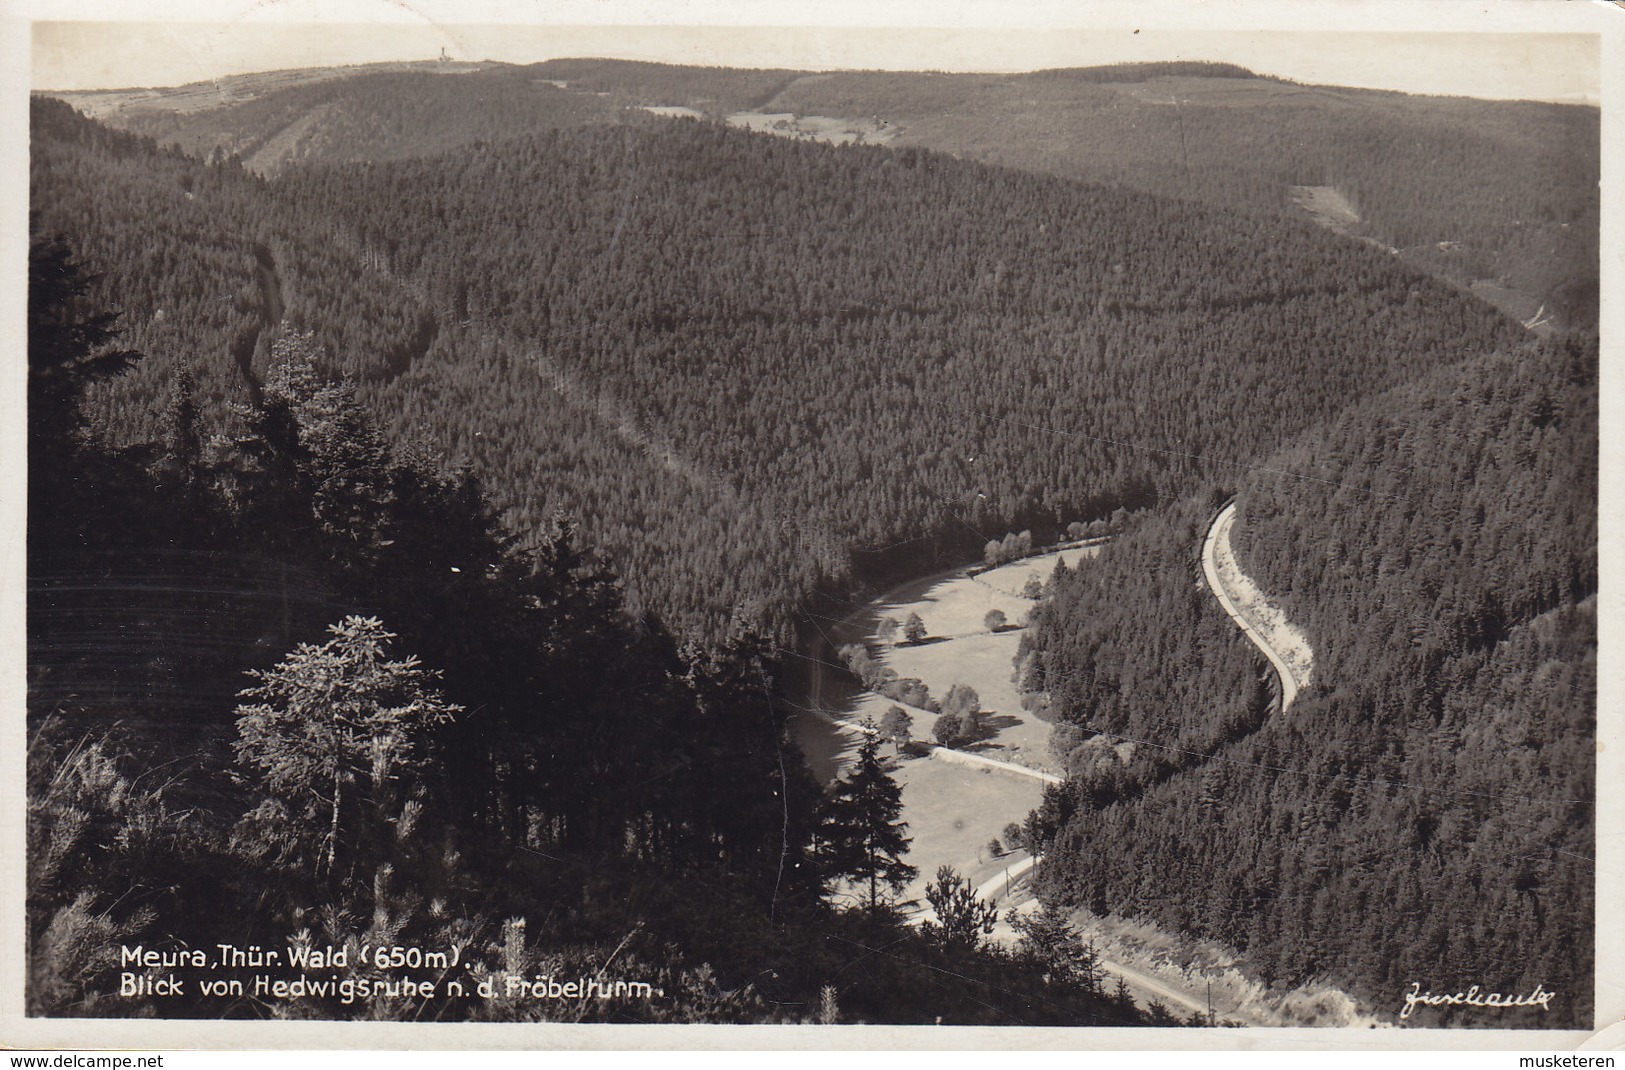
x,y
740,361
540,430
386,115
444,742
1425,806
1463,188
1502,194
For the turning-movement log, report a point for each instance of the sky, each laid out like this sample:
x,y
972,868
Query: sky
x,y
1442,47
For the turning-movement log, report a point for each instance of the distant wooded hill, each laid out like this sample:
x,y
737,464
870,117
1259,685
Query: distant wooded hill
x,y
1500,196
749,364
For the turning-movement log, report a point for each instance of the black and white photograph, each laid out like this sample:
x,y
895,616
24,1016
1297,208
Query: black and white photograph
x,y
1079,521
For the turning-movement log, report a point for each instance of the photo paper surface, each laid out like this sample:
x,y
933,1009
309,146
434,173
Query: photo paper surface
x,y
593,528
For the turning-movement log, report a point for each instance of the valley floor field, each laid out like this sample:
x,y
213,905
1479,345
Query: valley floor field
x,y
955,806
956,801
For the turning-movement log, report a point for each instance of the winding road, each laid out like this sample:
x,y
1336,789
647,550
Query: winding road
x,y
1218,540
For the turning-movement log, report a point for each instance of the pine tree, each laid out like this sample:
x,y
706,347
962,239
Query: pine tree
x,y
860,837
69,350
341,459
336,728
1049,940
68,346
962,917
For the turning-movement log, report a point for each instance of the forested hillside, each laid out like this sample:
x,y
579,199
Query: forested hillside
x,y
417,109
1424,812
1499,194
742,362
300,690
1504,192
376,116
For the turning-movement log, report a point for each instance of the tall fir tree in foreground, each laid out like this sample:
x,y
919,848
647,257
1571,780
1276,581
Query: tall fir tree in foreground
x,y
861,838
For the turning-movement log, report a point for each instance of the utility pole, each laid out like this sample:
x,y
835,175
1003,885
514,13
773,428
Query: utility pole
x,y
1210,1001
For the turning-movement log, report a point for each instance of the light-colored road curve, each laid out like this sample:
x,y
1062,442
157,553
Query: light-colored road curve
x,y
948,754
1145,986
1220,530
998,887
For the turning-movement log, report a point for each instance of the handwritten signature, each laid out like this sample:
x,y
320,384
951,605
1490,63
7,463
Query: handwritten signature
x,y
1474,997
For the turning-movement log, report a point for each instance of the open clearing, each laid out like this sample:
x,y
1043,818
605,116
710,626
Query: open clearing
x,y
674,111
953,810
287,144
236,88
960,650
823,128
1326,205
